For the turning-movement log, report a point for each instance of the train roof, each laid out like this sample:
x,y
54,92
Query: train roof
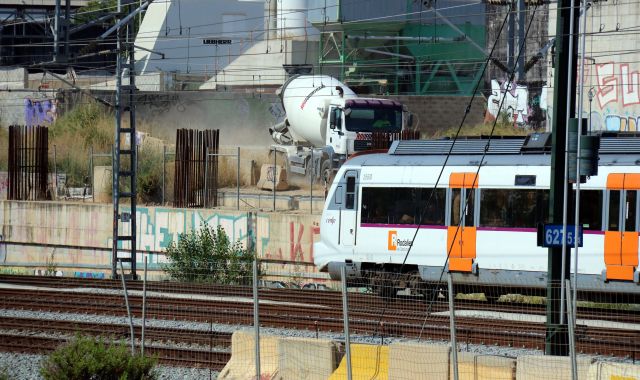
x,y
532,150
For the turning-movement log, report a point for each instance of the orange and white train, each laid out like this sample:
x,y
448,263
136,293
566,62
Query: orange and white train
x,y
378,201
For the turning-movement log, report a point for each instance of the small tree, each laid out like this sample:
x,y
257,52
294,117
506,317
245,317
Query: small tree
x,y
89,358
207,255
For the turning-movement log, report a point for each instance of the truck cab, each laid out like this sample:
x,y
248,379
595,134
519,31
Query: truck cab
x,y
352,122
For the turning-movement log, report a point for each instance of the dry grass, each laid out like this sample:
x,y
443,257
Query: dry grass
x,y
501,129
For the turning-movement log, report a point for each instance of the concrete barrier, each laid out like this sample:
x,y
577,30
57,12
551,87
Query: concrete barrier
x,y
613,371
369,362
242,364
534,367
484,367
267,178
306,359
411,361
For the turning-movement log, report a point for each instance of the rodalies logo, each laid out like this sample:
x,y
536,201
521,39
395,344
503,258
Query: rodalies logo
x,y
395,244
393,240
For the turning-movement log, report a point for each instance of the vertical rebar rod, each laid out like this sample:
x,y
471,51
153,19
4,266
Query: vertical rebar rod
x,y
55,168
572,336
345,319
256,317
452,327
274,179
144,304
126,301
238,182
206,177
93,197
311,176
164,154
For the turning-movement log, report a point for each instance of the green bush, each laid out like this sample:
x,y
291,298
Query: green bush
x,y
207,255
88,358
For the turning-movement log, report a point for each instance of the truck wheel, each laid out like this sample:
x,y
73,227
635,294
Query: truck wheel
x,y
326,172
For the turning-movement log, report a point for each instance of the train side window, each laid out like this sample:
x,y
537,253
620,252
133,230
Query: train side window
x,y
456,194
351,193
591,209
613,224
432,211
375,205
527,208
513,208
338,196
470,195
630,211
493,207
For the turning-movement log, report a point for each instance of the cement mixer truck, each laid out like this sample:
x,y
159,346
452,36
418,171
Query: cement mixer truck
x,y
326,122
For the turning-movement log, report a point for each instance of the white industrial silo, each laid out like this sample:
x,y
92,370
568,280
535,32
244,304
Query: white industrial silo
x,y
292,19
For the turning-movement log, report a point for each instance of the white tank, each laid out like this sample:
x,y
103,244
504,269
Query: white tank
x,y
306,100
292,19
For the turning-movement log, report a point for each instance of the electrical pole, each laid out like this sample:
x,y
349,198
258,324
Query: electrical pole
x,y
122,167
564,102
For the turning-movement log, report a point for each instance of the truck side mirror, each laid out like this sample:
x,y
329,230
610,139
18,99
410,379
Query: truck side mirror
x,y
410,120
332,119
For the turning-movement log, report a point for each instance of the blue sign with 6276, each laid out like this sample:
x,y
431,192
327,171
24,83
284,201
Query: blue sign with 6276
x,y
553,236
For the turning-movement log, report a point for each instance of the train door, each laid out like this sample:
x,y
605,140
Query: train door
x,y
461,233
621,233
348,214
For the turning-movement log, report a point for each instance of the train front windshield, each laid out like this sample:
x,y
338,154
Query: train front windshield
x,y
370,119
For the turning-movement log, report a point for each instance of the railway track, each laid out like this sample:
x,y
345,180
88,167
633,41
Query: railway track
x,y
322,311
329,299
183,357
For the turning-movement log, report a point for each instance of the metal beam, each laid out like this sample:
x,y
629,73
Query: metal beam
x,y
125,20
82,27
390,54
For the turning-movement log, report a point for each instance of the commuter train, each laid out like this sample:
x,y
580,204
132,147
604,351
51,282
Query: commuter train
x,y
378,201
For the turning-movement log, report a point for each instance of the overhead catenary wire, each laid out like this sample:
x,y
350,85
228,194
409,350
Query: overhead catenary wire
x,y
434,188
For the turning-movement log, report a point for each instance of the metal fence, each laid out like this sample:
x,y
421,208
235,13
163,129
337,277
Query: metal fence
x,y
28,162
236,320
196,168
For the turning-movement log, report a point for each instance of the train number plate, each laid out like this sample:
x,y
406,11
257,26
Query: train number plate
x,y
552,236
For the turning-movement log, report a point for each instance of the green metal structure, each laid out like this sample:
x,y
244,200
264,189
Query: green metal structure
x,y
430,56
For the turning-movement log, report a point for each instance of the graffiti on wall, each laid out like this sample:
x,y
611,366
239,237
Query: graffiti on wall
x,y
296,244
287,239
39,111
515,103
521,106
614,97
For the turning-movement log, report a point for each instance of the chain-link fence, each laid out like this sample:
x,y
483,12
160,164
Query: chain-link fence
x,y
236,320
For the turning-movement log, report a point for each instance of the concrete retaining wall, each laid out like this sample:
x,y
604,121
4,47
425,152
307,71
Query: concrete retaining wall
x,y
278,236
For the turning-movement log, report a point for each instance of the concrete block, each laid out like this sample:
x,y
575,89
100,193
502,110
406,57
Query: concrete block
x,y
13,78
266,178
242,364
484,367
534,367
411,361
306,359
613,371
370,362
